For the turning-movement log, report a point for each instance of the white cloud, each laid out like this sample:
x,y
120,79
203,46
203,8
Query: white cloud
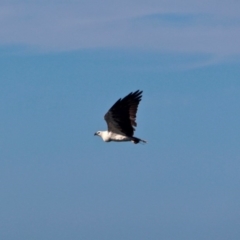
x,y
213,28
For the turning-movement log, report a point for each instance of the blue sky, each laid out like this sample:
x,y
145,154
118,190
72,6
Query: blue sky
x,y
64,64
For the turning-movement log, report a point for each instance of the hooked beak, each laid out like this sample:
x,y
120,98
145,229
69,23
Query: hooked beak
x,y
95,134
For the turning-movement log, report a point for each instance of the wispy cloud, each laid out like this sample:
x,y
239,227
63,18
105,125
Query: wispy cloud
x,y
206,27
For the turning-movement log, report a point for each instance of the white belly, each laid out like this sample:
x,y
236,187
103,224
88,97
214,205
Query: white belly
x,y
118,138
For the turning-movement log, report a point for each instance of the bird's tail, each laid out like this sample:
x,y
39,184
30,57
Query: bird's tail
x,y
136,140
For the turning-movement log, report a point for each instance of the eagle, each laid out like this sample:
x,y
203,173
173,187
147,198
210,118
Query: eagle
x,y
121,120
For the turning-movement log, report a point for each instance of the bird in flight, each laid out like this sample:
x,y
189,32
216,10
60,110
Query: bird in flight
x,y
121,120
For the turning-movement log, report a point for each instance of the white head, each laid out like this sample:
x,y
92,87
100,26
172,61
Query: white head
x,y
103,134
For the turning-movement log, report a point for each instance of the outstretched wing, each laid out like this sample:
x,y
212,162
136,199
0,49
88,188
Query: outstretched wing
x,y
121,117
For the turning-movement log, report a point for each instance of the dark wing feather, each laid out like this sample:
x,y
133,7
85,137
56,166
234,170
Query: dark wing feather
x,y
121,117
